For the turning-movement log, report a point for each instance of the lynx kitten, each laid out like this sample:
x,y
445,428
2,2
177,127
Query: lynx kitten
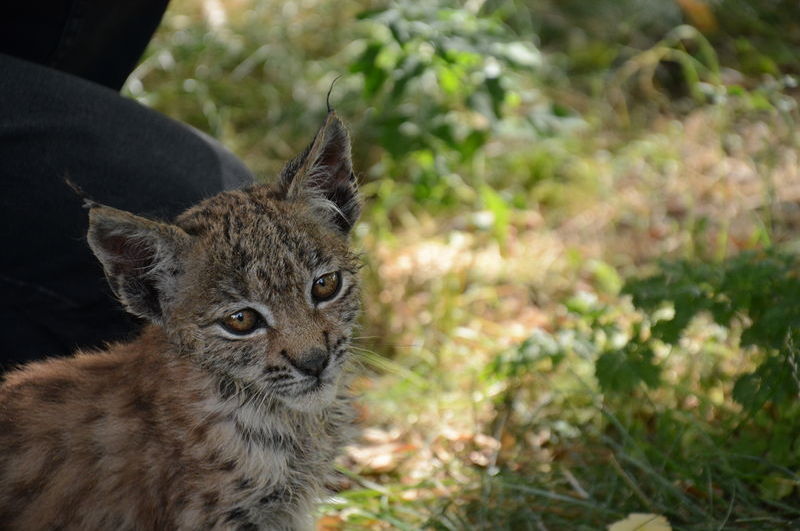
x,y
228,410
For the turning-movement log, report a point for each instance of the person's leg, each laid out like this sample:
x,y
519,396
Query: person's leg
x,y
98,40
53,297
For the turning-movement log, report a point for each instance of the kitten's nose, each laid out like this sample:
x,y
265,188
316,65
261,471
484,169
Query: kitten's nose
x,y
312,362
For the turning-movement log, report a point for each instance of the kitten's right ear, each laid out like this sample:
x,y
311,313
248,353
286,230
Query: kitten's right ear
x,y
141,258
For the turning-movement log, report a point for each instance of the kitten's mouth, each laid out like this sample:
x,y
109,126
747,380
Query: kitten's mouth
x,y
312,396
316,385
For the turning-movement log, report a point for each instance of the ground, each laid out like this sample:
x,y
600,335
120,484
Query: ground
x,y
520,179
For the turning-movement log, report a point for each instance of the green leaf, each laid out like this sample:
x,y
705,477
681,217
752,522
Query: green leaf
x,y
606,277
472,143
497,93
369,13
411,68
449,80
501,212
775,487
772,381
521,360
623,370
374,75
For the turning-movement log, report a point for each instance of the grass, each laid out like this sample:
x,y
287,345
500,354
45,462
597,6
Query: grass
x,y
496,253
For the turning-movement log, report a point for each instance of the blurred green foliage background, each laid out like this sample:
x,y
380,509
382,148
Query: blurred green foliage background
x,y
580,242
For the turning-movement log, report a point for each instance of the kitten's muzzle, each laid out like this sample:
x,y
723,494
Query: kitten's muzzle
x,y
312,362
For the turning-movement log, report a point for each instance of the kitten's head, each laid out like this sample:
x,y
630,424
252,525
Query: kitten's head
x,y
259,285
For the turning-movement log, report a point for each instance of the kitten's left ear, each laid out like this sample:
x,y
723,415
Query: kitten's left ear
x,y
323,177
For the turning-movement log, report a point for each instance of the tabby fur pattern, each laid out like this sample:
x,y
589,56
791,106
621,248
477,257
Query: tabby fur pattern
x,y
192,425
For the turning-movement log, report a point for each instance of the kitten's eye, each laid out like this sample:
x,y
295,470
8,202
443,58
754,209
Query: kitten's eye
x,y
326,287
242,322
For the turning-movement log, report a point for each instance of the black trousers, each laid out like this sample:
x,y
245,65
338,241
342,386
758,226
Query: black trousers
x,y
53,297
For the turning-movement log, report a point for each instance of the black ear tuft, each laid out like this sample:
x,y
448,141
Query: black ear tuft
x,y
88,202
323,177
140,258
330,91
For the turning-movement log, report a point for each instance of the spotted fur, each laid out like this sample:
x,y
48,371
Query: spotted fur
x,y
190,426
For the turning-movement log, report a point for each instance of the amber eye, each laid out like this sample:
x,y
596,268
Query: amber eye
x,y
242,322
326,286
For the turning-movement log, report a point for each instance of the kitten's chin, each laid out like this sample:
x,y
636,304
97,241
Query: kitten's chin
x,y
311,401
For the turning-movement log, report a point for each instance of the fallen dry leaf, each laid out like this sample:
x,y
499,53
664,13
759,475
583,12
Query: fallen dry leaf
x,y
380,458
330,523
641,522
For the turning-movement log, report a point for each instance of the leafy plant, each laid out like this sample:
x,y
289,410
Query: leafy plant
x,y
452,63
675,442
441,79
755,290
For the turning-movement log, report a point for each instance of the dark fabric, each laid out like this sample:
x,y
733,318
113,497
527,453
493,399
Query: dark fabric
x,y
53,297
98,40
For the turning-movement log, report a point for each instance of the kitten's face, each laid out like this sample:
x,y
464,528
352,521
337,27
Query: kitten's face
x,y
257,286
268,298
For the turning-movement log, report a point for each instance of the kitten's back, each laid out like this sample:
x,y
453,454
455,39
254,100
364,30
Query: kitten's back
x,y
97,431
